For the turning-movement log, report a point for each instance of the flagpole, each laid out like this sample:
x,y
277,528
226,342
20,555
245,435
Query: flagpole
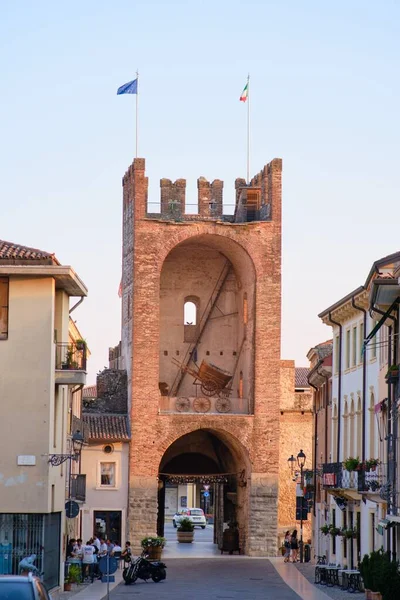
x,y
137,102
248,128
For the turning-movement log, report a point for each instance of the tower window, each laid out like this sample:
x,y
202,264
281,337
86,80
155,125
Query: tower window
x,y
190,313
190,318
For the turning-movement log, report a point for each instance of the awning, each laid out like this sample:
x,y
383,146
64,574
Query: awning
x,y
382,526
393,519
379,324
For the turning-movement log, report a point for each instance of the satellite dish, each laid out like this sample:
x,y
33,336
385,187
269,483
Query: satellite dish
x,y
71,509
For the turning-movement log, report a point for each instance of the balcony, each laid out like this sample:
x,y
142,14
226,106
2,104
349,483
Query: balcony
x,y
70,364
373,482
78,488
203,405
336,478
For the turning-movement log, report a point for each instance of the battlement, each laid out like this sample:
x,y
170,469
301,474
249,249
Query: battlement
x,y
260,200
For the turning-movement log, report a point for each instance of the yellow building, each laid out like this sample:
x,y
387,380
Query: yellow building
x,y
40,368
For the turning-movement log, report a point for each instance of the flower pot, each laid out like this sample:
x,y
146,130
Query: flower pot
x,y
154,552
375,595
67,586
185,537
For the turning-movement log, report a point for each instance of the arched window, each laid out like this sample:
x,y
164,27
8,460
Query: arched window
x,y
372,451
352,433
359,427
334,432
191,318
190,313
346,430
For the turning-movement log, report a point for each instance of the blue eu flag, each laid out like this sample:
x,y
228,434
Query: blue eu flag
x,y
128,88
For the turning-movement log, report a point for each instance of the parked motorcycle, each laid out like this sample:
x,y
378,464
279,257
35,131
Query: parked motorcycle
x,y
141,568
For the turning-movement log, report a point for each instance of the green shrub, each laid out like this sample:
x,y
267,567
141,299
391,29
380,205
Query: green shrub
x,y
186,525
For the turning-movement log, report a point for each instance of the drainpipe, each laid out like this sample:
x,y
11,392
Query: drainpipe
x,y
364,378
339,386
77,304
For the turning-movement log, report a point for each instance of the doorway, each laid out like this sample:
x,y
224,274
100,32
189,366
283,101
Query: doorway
x,y
107,524
203,470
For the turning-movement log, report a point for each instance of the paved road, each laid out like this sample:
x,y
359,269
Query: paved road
x,y
212,579
200,535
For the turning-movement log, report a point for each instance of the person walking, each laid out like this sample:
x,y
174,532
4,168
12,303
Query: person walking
x,y
88,561
286,544
294,545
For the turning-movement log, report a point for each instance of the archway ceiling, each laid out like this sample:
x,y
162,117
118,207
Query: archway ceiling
x,y
234,252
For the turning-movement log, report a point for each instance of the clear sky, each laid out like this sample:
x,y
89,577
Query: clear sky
x,y
325,98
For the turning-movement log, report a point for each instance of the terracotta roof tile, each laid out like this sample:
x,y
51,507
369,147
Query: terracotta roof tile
x,y
107,427
11,251
300,378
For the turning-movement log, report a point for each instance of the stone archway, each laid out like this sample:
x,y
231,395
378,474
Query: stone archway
x,y
216,458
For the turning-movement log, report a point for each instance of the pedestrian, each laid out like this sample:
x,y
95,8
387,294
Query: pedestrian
x,y
286,543
110,546
70,548
88,561
103,548
78,550
96,542
127,553
294,545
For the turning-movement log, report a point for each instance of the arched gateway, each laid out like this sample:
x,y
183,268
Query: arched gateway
x,y
201,325
210,460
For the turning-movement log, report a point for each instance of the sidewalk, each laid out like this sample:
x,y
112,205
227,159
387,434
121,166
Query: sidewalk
x,y
91,591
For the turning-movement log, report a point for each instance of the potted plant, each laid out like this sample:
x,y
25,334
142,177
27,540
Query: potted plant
x,y
371,464
185,531
392,374
351,464
74,576
324,529
80,344
153,546
334,531
349,533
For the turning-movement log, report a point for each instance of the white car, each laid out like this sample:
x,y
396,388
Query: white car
x,y
195,515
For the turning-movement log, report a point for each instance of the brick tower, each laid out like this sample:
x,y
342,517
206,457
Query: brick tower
x,y
201,331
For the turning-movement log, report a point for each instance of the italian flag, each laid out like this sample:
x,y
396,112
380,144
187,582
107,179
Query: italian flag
x,y
245,93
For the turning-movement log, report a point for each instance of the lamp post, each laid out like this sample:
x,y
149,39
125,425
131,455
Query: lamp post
x,y
75,452
76,448
300,460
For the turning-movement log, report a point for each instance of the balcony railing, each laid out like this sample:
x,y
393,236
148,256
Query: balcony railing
x,y
70,364
372,481
71,357
335,476
78,488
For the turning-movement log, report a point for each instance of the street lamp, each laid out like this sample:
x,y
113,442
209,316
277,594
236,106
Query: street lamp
x,y
76,448
301,461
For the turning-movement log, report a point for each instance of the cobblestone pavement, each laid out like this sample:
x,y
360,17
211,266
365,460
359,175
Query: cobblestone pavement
x,y
308,570
208,579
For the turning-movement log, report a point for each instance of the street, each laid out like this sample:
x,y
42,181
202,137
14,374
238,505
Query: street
x,y
213,579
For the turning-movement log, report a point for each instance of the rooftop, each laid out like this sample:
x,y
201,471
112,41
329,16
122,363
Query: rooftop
x,y
14,253
300,378
107,428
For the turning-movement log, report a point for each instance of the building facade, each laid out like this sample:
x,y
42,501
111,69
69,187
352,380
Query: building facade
x,y
204,289
105,459
39,368
356,457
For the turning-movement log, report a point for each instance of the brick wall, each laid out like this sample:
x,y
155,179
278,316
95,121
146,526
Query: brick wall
x,y
147,243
